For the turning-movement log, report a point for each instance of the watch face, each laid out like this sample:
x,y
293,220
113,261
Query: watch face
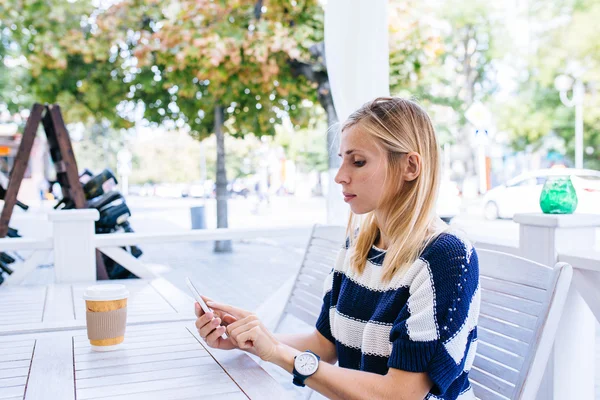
x,y
306,363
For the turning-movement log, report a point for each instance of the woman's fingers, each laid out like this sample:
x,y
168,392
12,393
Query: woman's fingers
x,y
228,319
206,326
246,339
198,310
238,328
206,299
240,322
213,338
209,327
235,331
236,312
203,320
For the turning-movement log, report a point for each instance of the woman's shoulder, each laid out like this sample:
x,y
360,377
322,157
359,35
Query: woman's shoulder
x,y
450,242
450,250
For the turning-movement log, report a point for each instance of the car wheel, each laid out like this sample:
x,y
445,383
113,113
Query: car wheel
x,y
491,211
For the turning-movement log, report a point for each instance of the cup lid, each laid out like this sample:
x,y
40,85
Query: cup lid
x,y
106,292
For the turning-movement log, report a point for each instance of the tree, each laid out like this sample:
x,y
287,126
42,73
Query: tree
x,y
13,75
215,67
565,43
66,62
444,57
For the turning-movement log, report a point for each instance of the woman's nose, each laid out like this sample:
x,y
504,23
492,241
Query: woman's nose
x,y
341,176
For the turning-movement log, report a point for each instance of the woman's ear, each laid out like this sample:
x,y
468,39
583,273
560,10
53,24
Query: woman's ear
x,y
412,168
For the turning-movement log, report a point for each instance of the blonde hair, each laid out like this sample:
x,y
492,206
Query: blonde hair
x,y
398,126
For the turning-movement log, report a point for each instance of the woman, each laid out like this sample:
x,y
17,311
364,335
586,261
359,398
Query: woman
x,y
401,305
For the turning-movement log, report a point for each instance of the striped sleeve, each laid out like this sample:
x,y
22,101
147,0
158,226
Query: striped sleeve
x,y
436,330
323,324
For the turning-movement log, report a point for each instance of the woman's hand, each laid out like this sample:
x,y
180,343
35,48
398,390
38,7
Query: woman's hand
x,y
248,333
211,327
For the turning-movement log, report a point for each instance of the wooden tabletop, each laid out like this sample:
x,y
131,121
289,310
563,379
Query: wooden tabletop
x,y
27,309
156,361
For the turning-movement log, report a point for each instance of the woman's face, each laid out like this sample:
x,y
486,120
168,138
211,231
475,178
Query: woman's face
x,y
363,170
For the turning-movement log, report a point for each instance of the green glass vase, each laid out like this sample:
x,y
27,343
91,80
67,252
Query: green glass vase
x,y
558,196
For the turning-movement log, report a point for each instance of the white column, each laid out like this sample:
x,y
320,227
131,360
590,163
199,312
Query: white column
x,y
74,246
357,53
570,370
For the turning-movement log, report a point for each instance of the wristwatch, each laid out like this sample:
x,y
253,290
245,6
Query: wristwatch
x,y
305,365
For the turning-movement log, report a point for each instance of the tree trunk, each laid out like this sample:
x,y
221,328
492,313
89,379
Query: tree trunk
x,y
317,72
221,246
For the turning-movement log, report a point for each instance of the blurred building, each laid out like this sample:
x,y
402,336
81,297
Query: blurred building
x,y
39,168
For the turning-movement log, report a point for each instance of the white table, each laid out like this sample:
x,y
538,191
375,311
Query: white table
x,y
26,309
156,361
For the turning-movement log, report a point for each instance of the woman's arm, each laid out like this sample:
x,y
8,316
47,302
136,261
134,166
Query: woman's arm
x,y
249,334
312,341
342,383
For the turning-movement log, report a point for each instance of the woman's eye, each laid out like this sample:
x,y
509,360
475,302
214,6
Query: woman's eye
x,y
359,163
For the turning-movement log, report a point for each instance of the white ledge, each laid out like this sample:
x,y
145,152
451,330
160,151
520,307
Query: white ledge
x,y
74,215
10,244
582,259
128,239
558,221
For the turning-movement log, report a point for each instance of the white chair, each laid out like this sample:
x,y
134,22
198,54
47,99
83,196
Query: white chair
x,y
303,295
521,305
306,297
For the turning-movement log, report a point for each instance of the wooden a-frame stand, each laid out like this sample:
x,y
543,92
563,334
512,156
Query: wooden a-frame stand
x,y
63,158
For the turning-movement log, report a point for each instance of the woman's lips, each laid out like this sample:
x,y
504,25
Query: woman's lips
x,y
348,197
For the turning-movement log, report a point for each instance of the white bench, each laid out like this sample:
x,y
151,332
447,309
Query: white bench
x,y
306,297
521,305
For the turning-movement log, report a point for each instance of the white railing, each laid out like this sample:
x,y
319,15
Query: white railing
x,y
73,244
17,244
128,239
548,239
543,238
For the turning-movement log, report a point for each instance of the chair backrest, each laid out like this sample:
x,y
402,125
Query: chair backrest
x,y
521,305
306,297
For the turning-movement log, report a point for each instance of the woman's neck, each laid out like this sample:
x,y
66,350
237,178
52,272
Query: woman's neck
x,y
381,241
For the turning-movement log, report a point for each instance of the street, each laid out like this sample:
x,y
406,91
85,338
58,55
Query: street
x,y
150,213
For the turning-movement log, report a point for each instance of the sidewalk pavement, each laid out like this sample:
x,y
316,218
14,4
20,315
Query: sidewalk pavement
x,y
244,278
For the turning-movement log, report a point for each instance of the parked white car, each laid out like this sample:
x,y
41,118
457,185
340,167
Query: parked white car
x,y
522,193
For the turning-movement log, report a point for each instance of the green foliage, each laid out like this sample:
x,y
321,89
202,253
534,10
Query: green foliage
x,y
193,55
98,146
569,45
161,156
307,148
443,57
182,59
171,157
54,42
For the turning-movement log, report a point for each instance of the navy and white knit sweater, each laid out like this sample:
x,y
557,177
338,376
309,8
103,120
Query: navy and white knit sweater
x,y
422,321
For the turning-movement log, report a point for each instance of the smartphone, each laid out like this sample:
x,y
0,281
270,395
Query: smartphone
x,y
197,296
199,299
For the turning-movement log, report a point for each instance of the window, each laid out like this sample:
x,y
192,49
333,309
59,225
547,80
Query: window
x,y
524,182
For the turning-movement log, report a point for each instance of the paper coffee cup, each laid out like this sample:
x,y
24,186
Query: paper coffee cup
x,y
106,315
